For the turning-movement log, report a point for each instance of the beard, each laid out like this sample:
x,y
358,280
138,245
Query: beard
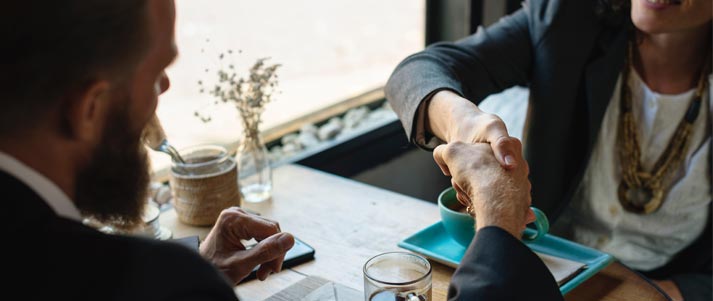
x,y
112,188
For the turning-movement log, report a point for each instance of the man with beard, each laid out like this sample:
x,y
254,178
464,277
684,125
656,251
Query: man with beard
x,y
79,82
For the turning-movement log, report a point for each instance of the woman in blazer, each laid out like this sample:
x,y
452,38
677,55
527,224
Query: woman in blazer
x,y
618,133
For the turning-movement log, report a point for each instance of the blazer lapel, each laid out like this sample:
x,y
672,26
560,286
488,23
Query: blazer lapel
x,y
601,75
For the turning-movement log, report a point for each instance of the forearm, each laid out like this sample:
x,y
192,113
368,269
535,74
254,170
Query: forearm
x,y
482,64
448,114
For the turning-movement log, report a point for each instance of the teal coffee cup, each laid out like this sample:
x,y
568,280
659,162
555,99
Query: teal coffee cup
x,y
461,226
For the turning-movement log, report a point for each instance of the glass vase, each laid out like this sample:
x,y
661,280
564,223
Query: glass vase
x,y
254,172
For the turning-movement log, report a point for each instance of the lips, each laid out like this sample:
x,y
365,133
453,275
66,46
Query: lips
x,y
664,2
661,4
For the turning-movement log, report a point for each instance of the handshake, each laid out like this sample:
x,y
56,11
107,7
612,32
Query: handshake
x,y
497,195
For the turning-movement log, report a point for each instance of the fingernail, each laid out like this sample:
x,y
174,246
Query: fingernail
x,y
509,160
285,241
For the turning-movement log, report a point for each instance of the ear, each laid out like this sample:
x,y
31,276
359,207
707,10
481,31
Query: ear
x,y
86,114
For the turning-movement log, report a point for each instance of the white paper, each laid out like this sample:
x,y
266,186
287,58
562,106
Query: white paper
x,y
562,269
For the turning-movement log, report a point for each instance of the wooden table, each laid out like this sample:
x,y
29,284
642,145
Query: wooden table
x,y
348,222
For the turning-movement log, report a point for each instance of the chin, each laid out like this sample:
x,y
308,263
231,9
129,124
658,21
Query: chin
x,y
650,20
669,16
650,25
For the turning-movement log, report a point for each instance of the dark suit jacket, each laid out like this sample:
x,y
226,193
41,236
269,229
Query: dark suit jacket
x,y
570,58
53,258
499,267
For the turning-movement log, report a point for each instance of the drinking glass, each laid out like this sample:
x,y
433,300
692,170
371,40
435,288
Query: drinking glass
x,y
398,276
204,185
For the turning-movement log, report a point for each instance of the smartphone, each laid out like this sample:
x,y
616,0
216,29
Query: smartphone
x,y
300,253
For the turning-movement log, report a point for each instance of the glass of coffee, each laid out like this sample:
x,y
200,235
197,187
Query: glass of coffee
x,y
397,276
204,185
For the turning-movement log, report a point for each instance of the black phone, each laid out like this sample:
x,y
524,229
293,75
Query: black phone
x,y
300,253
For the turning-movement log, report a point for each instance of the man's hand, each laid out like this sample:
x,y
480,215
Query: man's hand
x,y
223,246
453,118
499,197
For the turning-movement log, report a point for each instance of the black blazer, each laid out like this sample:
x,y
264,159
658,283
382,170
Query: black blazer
x,y
570,59
53,258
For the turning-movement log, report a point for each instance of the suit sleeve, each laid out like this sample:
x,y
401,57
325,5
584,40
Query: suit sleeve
x,y
497,266
487,62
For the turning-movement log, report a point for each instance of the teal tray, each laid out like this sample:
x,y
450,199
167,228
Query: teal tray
x,y
434,243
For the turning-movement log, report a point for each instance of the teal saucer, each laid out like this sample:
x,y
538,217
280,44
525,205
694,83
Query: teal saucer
x,y
434,243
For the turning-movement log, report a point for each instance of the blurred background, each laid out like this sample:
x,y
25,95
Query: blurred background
x,y
329,51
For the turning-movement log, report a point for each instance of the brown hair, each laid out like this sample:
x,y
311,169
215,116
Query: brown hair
x,y
51,49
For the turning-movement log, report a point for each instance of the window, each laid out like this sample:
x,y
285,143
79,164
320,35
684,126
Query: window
x,y
329,50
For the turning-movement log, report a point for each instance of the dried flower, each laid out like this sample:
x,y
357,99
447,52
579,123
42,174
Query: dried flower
x,y
248,95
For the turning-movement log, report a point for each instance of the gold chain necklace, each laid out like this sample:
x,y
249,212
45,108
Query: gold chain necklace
x,y
641,191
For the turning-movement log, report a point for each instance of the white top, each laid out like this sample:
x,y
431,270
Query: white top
x,y
46,189
645,242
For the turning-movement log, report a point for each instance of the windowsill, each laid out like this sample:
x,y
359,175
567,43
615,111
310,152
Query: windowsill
x,y
337,141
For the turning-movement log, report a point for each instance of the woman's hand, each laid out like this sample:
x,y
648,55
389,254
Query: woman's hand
x,y
453,118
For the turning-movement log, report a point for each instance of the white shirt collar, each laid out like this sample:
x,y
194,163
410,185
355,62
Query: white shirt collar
x,y
46,189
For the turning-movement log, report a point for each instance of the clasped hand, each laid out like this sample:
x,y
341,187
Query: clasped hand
x,y
488,171
498,196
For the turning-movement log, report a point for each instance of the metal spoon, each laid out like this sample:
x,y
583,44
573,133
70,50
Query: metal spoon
x,y
155,138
